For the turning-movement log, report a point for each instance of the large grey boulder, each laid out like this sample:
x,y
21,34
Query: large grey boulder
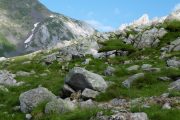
x,y
32,98
127,83
175,85
79,79
59,106
7,78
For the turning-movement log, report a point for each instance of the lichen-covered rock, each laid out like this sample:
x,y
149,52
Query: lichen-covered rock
x,y
30,99
79,79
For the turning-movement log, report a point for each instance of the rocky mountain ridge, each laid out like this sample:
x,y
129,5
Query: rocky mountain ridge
x,y
27,26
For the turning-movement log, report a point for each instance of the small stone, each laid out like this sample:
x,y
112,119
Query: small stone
x,y
164,78
28,116
134,67
166,106
109,71
165,95
88,93
146,66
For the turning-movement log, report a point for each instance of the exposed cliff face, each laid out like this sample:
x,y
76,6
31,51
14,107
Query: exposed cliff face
x,y
29,26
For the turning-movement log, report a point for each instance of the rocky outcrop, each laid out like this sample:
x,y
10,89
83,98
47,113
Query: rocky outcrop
x,y
149,38
79,79
32,98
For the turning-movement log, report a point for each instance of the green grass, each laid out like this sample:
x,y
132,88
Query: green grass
x,y
173,28
116,44
157,113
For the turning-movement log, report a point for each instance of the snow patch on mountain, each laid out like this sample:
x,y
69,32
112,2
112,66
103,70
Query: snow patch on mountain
x,y
31,36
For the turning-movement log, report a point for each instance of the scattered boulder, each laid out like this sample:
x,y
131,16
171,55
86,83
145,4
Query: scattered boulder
x,y
88,93
175,85
109,71
132,68
6,78
31,98
79,79
59,106
127,83
173,62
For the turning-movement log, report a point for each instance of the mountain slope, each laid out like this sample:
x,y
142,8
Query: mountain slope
x,y
23,21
